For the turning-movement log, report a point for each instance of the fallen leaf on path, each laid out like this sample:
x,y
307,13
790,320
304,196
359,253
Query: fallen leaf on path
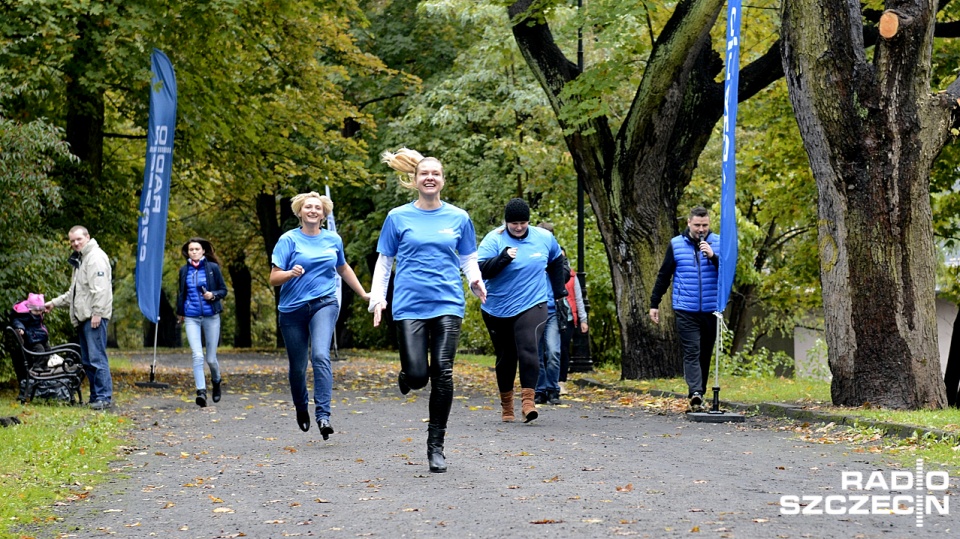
x,y
214,499
546,521
168,505
626,488
223,510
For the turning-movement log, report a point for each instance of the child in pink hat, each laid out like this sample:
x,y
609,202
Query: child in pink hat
x,y
27,319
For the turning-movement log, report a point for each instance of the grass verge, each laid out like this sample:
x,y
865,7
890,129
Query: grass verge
x,y
58,453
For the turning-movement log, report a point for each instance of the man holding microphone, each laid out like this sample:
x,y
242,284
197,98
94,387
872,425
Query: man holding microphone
x,y
693,264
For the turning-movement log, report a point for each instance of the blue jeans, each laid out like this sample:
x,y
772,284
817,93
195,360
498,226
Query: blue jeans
x,y
549,350
312,326
93,356
211,330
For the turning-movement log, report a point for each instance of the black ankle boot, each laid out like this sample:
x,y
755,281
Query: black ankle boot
x,y
216,390
435,449
303,419
402,383
202,398
325,429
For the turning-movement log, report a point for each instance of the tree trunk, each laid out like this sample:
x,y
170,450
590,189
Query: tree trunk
x,y
872,133
84,132
169,335
242,296
271,228
636,177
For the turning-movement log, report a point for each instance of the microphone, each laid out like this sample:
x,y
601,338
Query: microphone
x,y
700,237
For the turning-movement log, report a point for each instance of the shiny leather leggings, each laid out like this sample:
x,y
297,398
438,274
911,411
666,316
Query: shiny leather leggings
x,y
439,336
516,341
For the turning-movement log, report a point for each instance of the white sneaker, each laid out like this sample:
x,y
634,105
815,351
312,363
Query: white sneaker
x,y
563,388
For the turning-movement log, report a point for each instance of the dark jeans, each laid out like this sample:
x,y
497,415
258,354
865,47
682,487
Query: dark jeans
x,y
440,336
698,333
308,331
516,341
93,356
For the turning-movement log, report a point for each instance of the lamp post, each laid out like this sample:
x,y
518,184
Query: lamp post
x,y
580,357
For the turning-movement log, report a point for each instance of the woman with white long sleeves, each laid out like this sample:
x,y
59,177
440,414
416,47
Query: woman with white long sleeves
x,y
432,242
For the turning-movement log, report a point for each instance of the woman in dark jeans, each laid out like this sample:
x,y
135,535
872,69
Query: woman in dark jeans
x,y
306,262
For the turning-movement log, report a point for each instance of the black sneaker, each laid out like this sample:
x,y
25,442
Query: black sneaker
x,y
539,398
553,398
696,400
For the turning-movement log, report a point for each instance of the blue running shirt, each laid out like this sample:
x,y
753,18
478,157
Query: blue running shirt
x,y
523,283
427,245
320,257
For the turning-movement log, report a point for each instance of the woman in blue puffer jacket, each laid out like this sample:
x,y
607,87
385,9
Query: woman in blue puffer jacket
x,y
199,294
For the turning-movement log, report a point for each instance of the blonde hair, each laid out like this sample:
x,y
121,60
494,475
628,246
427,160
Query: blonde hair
x,y
406,162
297,203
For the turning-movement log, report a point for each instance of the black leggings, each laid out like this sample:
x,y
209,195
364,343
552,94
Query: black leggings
x,y
516,341
440,336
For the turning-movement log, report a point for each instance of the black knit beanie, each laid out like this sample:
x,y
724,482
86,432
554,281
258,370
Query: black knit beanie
x,y
516,211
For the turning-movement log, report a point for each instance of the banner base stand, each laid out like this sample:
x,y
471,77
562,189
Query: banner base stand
x,y
715,417
152,383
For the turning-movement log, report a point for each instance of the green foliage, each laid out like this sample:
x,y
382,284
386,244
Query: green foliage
x,y
30,259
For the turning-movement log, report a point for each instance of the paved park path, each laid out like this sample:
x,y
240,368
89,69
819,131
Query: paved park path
x,y
597,466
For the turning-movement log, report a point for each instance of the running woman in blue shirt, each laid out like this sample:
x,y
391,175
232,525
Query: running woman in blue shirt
x,y
512,259
306,261
432,242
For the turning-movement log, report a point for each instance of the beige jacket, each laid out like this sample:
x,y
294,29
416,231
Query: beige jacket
x,y
91,290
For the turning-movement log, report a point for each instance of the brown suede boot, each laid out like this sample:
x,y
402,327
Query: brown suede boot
x,y
506,403
529,408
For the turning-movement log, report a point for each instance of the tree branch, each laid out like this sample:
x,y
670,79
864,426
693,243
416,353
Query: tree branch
x,y
760,73
121,135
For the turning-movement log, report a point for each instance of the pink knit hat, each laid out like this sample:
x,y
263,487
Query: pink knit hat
x,y
35,301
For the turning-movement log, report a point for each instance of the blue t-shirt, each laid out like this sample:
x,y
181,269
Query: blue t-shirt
x,y
427,245
320,257
523,282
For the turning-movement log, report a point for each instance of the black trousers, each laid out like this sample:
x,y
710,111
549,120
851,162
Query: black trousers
x,y
439,337
516,341
698,334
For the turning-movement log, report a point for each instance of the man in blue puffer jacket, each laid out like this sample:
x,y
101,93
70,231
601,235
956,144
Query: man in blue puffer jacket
x,y
692,263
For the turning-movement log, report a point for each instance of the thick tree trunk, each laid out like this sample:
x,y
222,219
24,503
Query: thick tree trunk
x,y
271,228
872,134
635,178
84,132
242,296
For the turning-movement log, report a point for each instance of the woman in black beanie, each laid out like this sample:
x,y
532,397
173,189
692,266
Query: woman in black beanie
x,y
512,261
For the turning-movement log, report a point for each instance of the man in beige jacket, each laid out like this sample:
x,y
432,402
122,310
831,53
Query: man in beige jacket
x,y
90,299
